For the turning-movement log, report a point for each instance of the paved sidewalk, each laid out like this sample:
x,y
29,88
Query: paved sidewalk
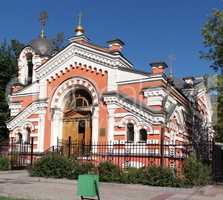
x,y
19,184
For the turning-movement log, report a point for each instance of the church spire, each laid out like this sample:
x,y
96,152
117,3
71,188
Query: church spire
x,y
79,30
43,18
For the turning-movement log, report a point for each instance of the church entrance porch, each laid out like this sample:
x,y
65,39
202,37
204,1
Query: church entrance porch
x,y
77,117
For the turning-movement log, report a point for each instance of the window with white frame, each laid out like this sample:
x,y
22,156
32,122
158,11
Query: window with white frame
x,y
142,135
130,132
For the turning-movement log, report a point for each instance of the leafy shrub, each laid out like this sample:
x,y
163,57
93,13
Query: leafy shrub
x,y
58,166
195,172
52,166
132,175
79,168
158,176
4,163
109,172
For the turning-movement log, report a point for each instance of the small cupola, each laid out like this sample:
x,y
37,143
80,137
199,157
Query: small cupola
x,y
115,45
79,32
41,45
158,67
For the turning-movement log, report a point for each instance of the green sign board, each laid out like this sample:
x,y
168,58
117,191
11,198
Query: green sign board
x,y
88,185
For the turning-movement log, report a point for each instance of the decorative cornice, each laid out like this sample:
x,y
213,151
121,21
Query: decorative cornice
x,y
141,112
154,92
14,108
23,115
105,59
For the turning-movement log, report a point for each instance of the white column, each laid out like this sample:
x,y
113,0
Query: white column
x,y
136,133
56,126
41,130
42,89
95,125
111,122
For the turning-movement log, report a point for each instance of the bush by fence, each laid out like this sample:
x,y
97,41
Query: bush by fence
x,y
195,172
56,166
4,163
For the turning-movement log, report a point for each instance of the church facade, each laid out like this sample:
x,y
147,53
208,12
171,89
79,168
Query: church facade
x,y
93,95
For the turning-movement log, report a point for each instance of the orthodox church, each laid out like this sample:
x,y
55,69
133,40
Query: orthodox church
x,y
94,94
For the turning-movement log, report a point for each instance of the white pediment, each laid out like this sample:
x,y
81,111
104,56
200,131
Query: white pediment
x,y
32,89
76,52
137,111
20,118
90,58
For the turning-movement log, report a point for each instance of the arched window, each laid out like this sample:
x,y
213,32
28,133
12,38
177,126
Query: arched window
x,y
27,135
142,135
130,132
29,58
78,99
81,102
19,138
81,126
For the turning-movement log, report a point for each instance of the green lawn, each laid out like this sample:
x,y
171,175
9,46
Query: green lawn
x,y
9,198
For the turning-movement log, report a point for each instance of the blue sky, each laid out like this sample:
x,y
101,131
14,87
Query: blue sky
x,y
152,29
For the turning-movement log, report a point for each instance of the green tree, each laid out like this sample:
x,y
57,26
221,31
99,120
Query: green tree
x,y
213,40
8,68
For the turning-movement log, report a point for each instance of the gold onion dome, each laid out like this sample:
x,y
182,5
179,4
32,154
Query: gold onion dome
x,y
79,28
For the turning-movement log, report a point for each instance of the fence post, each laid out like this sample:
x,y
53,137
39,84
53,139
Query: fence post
x,y
11,160
31,158
69,146
162,145
118,153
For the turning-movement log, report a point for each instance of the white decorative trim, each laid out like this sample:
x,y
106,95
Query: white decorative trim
x,y
147,116
111,121
33,119
30,90
22,116
156,131
22,64
95,125
15,132
41,130
155,101
66,87
56,126
14,108
142,80
81,51
154,92
120,133
28,125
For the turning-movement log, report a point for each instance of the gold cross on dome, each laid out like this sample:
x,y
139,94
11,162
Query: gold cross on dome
x,y
79,18
43,18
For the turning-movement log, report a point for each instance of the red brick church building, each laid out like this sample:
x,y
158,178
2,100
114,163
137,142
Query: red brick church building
x,y
94,94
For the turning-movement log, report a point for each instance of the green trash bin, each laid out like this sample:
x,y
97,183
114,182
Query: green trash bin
x,y
88,186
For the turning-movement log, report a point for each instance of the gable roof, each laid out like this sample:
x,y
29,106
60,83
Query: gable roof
x,y
88,52
134,106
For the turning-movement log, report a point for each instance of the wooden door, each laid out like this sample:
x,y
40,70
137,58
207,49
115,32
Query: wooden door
x,y
77,126
84,130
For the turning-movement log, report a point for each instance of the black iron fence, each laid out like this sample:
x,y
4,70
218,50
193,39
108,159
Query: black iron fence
x,y
20,154
123,154
217,162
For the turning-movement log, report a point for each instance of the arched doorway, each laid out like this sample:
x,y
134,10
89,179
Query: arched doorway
x,y
77,116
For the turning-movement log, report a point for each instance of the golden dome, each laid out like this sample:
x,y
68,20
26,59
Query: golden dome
x,y
79,28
